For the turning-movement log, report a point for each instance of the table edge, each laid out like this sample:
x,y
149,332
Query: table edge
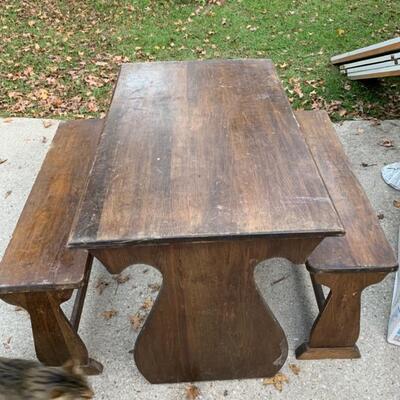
x,y
97,244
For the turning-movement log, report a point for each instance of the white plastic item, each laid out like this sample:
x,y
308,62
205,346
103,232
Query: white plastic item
x,y
394,320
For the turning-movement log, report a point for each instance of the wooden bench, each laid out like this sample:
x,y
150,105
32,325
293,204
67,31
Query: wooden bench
x,y
37,271
346,264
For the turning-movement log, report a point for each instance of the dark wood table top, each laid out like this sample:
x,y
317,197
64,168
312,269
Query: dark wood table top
x,y
201,150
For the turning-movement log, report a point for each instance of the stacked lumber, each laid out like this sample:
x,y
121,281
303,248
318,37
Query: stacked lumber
x,y
376,61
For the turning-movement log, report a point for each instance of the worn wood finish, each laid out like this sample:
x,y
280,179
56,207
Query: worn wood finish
x,y
36,257
337,326
209,320
37,268
364,246
201,151
348,264
389,46
56,341
305,352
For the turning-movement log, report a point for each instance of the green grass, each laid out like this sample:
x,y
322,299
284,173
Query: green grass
x,y
60,58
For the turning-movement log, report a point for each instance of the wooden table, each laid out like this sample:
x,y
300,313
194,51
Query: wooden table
x,y
202,172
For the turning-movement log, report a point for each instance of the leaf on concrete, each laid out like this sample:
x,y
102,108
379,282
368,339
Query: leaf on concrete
x,y
108,314
148,303
2,161
121,278
294,368
154,287
396,203
101,285
386,143
8,193
277,381
192,392
47,124
136,321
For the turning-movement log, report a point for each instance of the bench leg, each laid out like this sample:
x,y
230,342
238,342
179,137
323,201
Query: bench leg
x,y
56,341
337,327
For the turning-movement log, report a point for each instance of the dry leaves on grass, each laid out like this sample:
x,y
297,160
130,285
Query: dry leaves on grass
x,y
192,392
136,321
277,381
121,278
108,314
294,368
101,285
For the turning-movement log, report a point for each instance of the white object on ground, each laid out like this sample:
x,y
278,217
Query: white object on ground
x,y
391,175
394,320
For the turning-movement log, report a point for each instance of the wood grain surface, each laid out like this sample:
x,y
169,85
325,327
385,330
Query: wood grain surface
x,y
56,341
209,320
337,327
201,150
365,245
36,257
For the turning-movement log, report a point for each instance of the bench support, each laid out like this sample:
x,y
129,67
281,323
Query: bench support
x,y
56,340
337,327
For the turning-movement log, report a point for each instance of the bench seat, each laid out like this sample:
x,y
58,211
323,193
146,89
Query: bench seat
x,y
38,272
36,257
364,246
346,264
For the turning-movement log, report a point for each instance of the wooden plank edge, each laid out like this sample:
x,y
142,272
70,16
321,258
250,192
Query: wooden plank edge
x,y
369,51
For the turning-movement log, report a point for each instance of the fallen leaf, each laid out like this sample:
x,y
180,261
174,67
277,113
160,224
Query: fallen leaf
x,y
3,161
17,309
342,112
396,203
386,143
107,315
154,287
192,392
148,303
277,381
136,321
340,32
101,285
295,369
47,124
6,344
121,278
7,120
8,194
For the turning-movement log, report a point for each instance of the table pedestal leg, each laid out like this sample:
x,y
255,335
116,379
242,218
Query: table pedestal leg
x,y
209,321
337,327
56,341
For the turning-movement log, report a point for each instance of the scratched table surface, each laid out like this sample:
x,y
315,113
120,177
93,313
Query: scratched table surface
x,y
201,150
